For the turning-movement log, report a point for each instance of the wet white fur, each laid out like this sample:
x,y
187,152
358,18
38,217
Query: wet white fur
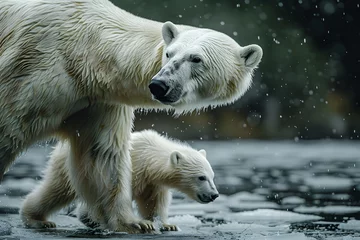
x,y
155,172
75,69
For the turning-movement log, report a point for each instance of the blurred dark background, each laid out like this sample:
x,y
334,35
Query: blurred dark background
x,y
307,84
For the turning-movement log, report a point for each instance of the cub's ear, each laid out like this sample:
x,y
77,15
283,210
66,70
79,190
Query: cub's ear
x,y
169,32
203,152
175,158
251,55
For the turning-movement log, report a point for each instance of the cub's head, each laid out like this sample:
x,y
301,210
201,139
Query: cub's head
x,y
193,175
201,68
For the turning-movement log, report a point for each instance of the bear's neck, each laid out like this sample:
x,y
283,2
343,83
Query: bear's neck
x,y
124,59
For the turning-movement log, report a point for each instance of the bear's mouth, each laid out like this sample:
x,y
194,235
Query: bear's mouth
x,y
165,100
204,199
170,98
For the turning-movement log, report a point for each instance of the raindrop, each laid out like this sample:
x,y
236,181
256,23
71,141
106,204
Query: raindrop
x,y
238,5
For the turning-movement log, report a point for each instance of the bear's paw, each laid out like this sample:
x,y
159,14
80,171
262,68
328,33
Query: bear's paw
x,y
40,224
141,226
169,227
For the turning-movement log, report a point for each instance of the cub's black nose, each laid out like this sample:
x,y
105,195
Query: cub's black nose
x,y
158,88
214,196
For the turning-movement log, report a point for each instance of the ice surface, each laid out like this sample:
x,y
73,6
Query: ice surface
x,y
11,204
289,236
282,154
18,186
258,172
328,209
292,200
196,209
246,196
343,238
328,183
245,205
248,227
263,216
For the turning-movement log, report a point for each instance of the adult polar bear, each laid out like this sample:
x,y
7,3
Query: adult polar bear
x,y
76,69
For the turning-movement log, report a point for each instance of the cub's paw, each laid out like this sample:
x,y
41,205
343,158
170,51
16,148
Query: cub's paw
x,y
141,226
40,224
146,225
169,227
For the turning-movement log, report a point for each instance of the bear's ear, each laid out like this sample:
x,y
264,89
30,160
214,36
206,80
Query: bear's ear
x,y
175,158
169,32
203,152
251,55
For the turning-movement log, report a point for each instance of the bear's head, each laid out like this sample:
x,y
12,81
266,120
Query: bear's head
x,y
193,175
202,68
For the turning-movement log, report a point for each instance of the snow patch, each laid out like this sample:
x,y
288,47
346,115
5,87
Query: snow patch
x,y
350,225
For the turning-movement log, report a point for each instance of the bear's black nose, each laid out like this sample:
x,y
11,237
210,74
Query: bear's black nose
x,y
214,196
158,88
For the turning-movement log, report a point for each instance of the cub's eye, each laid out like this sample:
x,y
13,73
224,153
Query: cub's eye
x,y
202,178
167,55
196,60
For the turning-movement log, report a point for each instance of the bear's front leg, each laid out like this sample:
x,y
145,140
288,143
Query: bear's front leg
x,y
100,165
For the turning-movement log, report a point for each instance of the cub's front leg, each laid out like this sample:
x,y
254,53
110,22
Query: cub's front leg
x,y
162,210
100,165
156,203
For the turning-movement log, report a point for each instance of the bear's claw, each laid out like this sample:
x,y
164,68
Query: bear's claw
x,y
147,225
40,224
169,227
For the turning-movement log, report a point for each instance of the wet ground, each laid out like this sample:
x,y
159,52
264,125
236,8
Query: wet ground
x,y
269,190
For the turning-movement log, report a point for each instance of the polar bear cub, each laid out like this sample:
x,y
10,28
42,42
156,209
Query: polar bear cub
x,y
159,164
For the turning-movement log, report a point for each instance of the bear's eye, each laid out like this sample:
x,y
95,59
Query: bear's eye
x,y
167,55
202,178
195,59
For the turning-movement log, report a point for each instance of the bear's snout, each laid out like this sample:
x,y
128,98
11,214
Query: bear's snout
x,y
206,198
158,88
214,196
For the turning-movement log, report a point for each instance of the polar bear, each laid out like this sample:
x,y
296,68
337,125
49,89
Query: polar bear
x,y
77,69
159,164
